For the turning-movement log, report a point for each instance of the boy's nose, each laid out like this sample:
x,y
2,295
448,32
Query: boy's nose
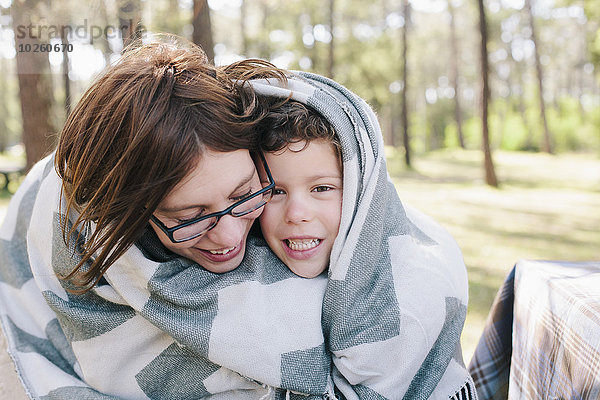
x,y
298,211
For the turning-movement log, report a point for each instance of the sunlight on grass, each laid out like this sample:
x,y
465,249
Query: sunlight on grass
x,y
547,207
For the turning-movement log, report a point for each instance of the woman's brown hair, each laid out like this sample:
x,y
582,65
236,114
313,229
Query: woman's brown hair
x,y
136,133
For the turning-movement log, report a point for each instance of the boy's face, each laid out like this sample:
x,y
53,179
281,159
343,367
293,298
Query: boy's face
x,y
302,220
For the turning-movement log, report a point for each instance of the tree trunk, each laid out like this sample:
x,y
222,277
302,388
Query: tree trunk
x,y
583,56
490,173
130,21
3,108
243,29
546,145
528,145
35,85
264,49
405,135
454,72
104,45
313,51
391,132
330,61
202,35
65,73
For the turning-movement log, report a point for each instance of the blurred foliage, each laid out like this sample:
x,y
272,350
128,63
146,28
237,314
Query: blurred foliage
x,y
592,11
295,34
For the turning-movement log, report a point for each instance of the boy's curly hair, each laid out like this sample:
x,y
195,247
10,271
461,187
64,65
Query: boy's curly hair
x,y
288,121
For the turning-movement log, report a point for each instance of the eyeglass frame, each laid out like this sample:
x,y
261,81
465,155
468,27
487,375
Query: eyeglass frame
x,y
169,231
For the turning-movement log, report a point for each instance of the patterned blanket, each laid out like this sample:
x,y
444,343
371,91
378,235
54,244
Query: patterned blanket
x,y
161,327
490,365
541,340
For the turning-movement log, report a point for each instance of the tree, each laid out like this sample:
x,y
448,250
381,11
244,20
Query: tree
x,y
170,17
65,73
490,173
528,145
454,74
546,146
592,10
243,29
130,20
202,35
35,85
264,46
105,20
405,133
3,108
330,62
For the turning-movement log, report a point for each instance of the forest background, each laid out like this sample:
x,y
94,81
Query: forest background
x,y
490,108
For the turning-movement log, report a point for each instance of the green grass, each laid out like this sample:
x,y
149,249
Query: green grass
x,y
548,207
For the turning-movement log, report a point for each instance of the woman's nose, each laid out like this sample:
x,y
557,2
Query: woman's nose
x,y
229,232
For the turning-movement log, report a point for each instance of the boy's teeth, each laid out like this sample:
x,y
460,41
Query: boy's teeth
x,y
304,244
221,251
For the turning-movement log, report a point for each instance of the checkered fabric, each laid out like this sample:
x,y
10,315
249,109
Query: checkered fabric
x,y
490,364
556,345
542,338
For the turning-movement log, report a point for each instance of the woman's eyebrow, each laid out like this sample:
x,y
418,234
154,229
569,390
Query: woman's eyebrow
x,y
175,209
243,182
179,208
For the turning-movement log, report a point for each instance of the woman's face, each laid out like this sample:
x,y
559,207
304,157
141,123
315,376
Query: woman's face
x,y
219,180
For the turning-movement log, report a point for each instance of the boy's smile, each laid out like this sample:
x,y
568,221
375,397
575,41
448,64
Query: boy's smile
x,y
301,249
302,220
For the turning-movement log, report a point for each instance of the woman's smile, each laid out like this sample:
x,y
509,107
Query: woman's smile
x,y
222,255
216,182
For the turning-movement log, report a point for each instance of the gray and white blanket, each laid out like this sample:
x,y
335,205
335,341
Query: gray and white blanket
x,y
384,324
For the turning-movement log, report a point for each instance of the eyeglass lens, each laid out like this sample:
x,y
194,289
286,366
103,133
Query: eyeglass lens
x,y
201,227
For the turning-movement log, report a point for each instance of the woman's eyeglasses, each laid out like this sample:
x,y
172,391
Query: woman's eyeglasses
x,y
199,226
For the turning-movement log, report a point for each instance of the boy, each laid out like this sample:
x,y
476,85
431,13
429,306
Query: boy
x,y
301,221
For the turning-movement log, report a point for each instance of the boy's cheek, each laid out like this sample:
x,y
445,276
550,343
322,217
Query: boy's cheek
x,y
268,220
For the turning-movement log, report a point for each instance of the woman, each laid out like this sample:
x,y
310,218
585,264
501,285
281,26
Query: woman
x,y
115,247
161,115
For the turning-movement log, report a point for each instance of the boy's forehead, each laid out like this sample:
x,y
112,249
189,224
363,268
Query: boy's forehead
x,y
316,151
297,146
303,156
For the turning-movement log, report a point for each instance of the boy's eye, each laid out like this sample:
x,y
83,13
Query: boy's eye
x,y
277,191
320,189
